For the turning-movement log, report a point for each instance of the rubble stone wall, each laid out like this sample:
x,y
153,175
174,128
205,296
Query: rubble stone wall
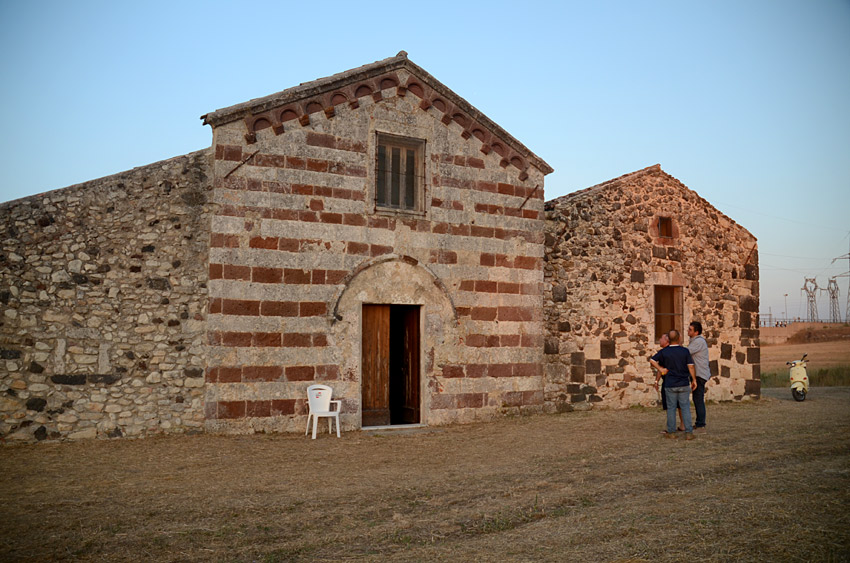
x,y
103,297
298,246
605,255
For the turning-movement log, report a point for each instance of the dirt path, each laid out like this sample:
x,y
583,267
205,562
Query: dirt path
x,y
770,481
821,355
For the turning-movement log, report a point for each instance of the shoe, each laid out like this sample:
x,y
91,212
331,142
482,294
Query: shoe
x,y
689,436
700,429
680,429
671,436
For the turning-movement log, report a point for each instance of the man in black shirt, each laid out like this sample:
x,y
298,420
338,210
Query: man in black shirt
x,y
676,365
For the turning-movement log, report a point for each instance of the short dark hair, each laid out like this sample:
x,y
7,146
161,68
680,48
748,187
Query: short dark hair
x,y
697,326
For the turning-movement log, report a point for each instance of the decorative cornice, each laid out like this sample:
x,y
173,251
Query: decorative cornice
x,y
295,106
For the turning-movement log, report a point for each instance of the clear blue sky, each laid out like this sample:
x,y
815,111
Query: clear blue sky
x,y
745,101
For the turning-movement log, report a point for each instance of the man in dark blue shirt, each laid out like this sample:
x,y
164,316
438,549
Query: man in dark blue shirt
x,y
677,366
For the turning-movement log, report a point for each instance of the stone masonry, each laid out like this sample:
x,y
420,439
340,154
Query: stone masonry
x,y
103,293
208,291
298,245
604,256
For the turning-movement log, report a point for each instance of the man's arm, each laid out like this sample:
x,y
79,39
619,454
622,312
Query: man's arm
x,y
693,373
660,371
697,345
658,367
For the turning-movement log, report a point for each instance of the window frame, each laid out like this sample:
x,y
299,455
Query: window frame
x,y
676,295
387,142
665,227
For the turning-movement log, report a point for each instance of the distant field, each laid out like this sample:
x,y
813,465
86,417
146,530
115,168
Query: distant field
x,y
821,355
828,352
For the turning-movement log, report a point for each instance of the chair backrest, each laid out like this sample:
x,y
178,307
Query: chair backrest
x,y
319,397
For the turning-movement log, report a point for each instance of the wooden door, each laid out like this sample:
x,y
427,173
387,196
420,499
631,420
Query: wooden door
x,y
410,366
375,366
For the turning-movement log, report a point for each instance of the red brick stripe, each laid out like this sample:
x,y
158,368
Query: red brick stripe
x,y
488,187
312,164
492,370
487,286
249,184
245,307
418,225
331,142
458,160
278,275
259,409
502,341
252,374
267,339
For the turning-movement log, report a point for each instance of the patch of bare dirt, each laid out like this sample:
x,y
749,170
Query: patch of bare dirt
x,y
770,481
821,355
824,334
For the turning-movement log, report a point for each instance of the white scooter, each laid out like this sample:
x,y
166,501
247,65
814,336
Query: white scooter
x,y
799,378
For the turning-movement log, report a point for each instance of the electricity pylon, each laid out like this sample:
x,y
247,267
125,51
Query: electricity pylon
x,y
810,286
847,275
834,311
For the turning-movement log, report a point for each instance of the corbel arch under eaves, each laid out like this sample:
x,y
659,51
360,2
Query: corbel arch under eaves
x,y
298,112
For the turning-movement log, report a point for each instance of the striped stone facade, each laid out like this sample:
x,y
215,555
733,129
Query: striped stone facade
x,y
298,245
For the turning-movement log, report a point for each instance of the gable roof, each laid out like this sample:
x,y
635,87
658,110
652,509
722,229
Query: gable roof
x,y
299,102
625,180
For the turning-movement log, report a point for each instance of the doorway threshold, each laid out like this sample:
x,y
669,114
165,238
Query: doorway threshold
x,y
396,429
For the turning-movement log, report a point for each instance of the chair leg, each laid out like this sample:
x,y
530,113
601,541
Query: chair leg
x,y
337,426
330,425
307,430
315,424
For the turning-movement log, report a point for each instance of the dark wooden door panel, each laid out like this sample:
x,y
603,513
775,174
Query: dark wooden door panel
x,y
375,370
410,413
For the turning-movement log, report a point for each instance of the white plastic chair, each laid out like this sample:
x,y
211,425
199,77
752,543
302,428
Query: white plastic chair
x,y
319,402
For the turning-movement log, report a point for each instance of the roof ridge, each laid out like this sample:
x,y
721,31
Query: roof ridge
x,y
324,92
637,173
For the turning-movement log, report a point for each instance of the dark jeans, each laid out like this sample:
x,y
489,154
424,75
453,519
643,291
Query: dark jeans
x,y
699,402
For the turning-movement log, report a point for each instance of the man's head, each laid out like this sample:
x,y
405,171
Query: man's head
x,y
694,329
664,341
674,336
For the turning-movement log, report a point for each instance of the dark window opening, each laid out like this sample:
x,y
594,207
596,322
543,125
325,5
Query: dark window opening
x,y
665,227
668,309
399,173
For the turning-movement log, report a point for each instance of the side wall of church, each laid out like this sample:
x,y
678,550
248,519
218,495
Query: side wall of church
x,y
604,259
103,298
298,247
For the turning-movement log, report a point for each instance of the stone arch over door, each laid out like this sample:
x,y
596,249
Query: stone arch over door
x,y
396,281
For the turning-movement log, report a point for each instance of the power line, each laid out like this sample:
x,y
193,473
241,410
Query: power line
x,y
847,273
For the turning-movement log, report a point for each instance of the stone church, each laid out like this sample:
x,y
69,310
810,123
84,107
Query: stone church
x,y
372,231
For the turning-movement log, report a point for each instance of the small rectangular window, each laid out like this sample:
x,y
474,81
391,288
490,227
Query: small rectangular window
x,y
665,227
668,309
399,173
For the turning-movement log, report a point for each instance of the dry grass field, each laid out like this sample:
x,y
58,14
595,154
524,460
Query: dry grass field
x,y
821,355
770,481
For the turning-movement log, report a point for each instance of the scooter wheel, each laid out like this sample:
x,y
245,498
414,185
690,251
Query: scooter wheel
x,y
798,395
